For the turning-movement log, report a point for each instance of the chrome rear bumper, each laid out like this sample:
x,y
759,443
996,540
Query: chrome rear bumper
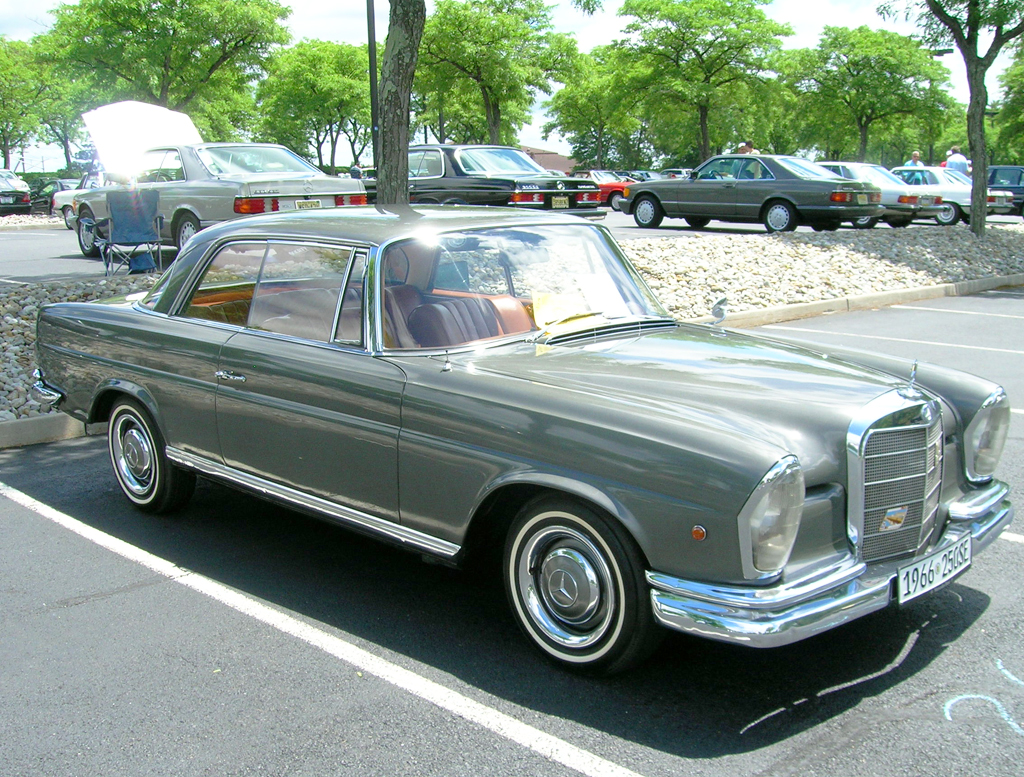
x,y
791,611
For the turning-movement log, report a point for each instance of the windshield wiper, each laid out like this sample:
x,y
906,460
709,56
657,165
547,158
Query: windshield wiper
x,y
564,319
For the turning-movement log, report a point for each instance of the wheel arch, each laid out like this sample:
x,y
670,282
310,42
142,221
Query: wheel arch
x,y
181,212
769,201
112,390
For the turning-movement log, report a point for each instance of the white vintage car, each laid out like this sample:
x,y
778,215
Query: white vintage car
x,y
202,184
955,189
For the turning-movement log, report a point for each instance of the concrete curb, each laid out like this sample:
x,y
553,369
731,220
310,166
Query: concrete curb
x,y
58,426
19,227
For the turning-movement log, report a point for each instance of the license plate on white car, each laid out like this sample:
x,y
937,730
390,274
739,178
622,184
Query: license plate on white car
x,y
933,570
307,204
559,202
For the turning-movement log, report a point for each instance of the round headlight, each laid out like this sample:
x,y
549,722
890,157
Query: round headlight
x,y
772,516
985,437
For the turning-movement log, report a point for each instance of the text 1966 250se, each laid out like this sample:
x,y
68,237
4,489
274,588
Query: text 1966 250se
x,y
476,383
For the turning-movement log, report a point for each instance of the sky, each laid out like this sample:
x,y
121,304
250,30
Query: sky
x,y
345,21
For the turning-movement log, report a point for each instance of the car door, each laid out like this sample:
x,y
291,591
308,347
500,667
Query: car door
x,y
710,191
754,184
301,403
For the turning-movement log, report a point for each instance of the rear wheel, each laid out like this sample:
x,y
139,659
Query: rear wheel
x,y
949,215
575,582
68,213
779,216
867,222
899,223
826,226
697,222
143,471
647,212
186,226
87,234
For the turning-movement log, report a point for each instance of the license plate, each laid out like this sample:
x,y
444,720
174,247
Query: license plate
x,y
307,204
559,202
932,571
6,200
862,199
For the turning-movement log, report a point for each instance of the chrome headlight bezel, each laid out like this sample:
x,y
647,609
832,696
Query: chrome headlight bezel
x,y
770,520
985,437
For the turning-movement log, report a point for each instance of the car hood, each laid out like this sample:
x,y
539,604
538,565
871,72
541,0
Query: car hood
x,y
797,399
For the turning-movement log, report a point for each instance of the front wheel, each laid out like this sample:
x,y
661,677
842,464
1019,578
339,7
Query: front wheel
x,y
779,216
87,233
141,466
613,200
68,213
949,215
575,582
186,227
647,213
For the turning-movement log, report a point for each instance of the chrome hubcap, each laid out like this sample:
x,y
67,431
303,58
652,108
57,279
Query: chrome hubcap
x,y
188,229
132,452
566,584
645,211
778,217
947,214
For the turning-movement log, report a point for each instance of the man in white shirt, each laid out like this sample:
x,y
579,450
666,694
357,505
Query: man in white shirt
x,y
957,161
915,160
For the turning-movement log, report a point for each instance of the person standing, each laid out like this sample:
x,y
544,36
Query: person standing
x,y
957,161
914,161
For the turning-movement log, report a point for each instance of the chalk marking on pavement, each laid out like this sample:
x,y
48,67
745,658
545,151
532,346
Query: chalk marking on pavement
x,y
503,725
892,339
960,312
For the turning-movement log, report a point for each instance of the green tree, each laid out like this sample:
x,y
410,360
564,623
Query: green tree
x,y
19,95
968,23
1010,118
314,95
696,51
165,52
505,48
861,77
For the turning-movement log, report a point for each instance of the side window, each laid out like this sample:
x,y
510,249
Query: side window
x,y
298,290
350,323
224,293
720,168
463,265
151,163
170,167
425,164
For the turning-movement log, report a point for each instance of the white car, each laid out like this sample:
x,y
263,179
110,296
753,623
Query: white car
x,y
902,202
955,189
64,202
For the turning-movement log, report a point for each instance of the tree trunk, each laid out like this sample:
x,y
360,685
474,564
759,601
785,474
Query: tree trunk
x,y
863,153
705,137
493,112
976,140
405,28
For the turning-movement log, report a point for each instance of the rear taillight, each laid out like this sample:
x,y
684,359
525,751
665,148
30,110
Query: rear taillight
x,y
250,205
340,200
841,197
588,196
25,199
908,199
938,200
527,197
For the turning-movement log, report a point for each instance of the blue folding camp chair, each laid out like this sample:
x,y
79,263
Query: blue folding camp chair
x,y
132,237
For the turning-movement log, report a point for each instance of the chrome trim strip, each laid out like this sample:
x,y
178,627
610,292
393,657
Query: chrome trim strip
x,y
346,515
43,393
789,612
979,503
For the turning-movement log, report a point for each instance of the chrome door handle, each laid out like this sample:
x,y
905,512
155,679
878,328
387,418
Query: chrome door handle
x,y
229,375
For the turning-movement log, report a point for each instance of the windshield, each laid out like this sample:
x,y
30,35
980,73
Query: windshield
x,y
957,176
880,176
465,287
497,160
249,158
803,168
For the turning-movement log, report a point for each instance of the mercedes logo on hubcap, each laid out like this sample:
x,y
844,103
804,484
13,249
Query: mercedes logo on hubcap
x,y
563,588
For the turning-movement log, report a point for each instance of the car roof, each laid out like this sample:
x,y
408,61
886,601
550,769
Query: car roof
x,y
375,225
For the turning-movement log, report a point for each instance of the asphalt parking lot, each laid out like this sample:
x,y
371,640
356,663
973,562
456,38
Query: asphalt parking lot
x,y
242,638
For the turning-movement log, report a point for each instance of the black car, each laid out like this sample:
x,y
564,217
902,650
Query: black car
x,y
14,194
42,198
1009,178
495,175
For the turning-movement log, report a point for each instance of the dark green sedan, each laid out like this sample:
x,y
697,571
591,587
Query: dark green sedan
x,y
481,384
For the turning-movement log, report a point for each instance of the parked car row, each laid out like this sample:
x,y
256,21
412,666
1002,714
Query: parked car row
x,y
14,194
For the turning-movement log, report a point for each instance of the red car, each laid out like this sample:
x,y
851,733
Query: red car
x,y
611,185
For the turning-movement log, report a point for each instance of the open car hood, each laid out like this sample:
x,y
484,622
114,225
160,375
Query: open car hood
x,y
122,132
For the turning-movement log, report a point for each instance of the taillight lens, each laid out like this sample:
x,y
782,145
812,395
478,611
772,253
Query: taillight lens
x,y
340,200
250,205
527,197
908,199
841,197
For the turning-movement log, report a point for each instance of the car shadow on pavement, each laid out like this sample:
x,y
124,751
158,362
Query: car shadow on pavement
x,y
693,699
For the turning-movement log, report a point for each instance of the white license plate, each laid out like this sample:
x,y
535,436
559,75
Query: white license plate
x,y
932,571
559,202
862,199
307,204
6,200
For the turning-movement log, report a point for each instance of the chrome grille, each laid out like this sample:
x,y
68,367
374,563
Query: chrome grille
x,y
902,475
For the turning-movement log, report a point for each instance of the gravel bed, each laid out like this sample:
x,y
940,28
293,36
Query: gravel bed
x,y
688,274
18,220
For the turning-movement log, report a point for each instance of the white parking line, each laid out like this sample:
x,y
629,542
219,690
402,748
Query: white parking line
x,y
960,312
1011,537
497,722
1015,410
892,339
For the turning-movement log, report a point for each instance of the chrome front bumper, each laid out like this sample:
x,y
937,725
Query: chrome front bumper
x,y
43,393
789,612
